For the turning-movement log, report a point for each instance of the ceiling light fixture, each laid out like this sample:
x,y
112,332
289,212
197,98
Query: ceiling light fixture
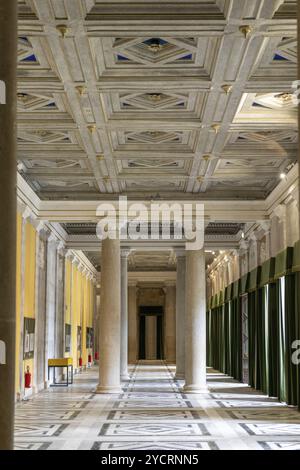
x,y
284,97
154,45
246,30
227,88
22,96
155,96
63,29
92,128
216,127
80,89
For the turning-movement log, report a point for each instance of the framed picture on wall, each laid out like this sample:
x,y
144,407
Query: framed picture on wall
x,y
89,337
29,331
67,337
78,338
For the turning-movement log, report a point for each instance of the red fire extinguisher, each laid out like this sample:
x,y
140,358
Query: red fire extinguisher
x,y
80,362
27,378
96,356
90,358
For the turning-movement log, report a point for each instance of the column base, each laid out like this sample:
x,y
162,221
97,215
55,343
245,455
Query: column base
x,y
179,376
195,389
125,377
108,389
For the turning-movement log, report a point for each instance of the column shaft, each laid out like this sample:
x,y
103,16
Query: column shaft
x,y
8,60
132,325
109,324
170,324
180,317
195,323
124,317
50,304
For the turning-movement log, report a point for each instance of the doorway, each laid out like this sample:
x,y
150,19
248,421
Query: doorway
x,y
151,332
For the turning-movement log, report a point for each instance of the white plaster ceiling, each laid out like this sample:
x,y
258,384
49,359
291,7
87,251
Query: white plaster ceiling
x,y
151,116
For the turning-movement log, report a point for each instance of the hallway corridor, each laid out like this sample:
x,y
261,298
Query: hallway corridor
x,y
152,413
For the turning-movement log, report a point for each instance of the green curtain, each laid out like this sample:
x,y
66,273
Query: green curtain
x,y
274,339
216,338
252,301
236,339
282,342
297,315
261,356
227,339
208,338
291,334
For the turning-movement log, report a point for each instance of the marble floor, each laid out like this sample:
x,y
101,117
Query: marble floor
x,y
153,413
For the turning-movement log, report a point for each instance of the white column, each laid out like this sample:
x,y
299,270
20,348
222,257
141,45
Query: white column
x,y
180,314
110,318
50,302
132,323
195,323
170,323
40,305
124,315
60,304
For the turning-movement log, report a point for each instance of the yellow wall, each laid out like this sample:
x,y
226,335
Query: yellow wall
x,y
78,311
18,298
29,288
29,282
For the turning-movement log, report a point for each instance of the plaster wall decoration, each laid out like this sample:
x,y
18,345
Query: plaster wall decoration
x,y
263,255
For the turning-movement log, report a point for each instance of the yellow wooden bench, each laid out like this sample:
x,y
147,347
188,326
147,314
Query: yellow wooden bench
x,y
60,362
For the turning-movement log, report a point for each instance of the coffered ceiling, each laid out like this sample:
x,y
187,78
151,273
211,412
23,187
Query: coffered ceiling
x,y
167,98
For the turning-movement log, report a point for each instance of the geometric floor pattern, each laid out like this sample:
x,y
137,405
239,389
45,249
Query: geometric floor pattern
x,y
153,413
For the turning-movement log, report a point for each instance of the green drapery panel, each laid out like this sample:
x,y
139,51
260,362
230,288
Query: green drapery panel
x,y
296,257
254,279
235,289
258,330
236,339
282,343
214,302
283,263
292,334
252,298
228,290
208,338
227,340
297,315
262,378
274,339
267,272
221,298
